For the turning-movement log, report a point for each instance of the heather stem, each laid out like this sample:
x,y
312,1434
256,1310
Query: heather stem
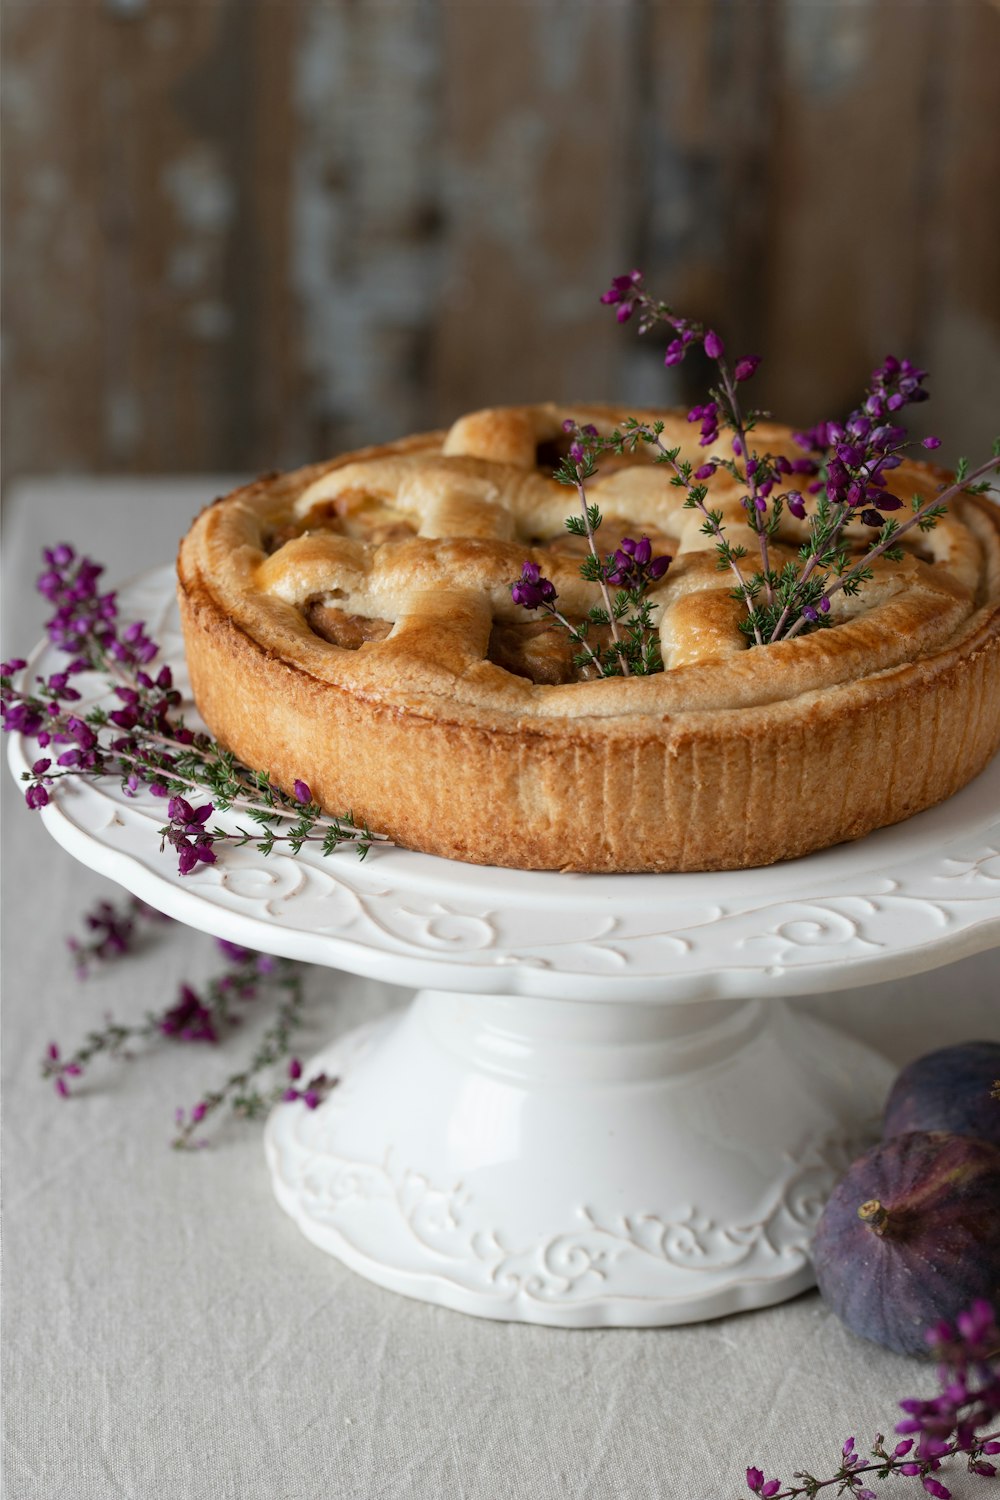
x,y
581,491
574,635
739,428
716,529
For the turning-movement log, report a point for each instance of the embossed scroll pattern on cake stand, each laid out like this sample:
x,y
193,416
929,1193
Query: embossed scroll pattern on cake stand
x,y
602,1108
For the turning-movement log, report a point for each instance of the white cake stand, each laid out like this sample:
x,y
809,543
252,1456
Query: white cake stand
x,y
601,1109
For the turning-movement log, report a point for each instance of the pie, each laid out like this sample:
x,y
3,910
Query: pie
x,y
351,625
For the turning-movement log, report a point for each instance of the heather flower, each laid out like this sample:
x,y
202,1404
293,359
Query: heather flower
x,y
532,590
55,1068
315,1091
235,952
714,347
745,367
22,718
302,792
189,1020
187,833
634,567
708,416
624,291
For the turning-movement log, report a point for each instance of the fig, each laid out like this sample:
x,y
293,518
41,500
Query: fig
x,y
956,1089
911,1235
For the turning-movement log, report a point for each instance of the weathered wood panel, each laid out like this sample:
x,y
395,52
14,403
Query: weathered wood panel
x,y
241,233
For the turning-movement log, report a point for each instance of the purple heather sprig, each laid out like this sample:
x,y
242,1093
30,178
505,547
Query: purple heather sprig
x,y
114,933
205,1016
949,1425
143,741
846,467
631,570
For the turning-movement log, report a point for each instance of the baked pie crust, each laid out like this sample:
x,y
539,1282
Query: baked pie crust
x,y
351,625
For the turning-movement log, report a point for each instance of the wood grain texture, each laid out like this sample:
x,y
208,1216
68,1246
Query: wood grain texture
x,y
245,233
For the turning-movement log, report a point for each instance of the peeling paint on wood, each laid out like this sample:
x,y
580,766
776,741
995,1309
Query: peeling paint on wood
x,y
245,233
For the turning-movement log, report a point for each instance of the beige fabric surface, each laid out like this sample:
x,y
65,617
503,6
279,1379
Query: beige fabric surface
x,y
169,1335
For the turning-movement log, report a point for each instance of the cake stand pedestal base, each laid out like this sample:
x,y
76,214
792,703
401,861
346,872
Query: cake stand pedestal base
x,y
580,1164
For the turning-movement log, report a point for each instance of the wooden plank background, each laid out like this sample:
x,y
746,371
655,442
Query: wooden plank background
x,y
242,234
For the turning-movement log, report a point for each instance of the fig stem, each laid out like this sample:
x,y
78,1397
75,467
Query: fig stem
x,y
874,1215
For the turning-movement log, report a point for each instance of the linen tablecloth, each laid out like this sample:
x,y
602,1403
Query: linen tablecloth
x,y
169,1334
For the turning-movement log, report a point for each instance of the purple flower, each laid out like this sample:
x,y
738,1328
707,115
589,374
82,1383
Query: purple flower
x,y
531,590
8,668
932,442
302,792
936,1488
191,855
188,1020
746,367
188,835
634,567
294,1069
755,1479
36,797
708,416
714,347
623,290
59,1071
796,504
21,718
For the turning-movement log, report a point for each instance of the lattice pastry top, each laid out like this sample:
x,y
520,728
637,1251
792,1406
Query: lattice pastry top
x,y
383,580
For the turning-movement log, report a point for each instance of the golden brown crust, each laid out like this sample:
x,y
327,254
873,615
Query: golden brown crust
x,y
729,758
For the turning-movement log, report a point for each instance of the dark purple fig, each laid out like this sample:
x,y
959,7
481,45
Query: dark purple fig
x,y
911,1235
956,1089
